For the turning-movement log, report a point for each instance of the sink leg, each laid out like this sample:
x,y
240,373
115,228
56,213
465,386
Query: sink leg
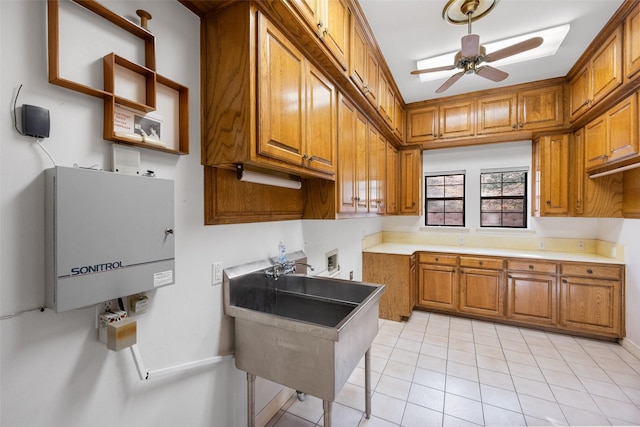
x,y
251,400
326,405
367,384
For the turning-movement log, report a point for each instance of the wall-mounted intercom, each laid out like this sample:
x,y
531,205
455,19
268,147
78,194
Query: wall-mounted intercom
x,y
108,235
35,121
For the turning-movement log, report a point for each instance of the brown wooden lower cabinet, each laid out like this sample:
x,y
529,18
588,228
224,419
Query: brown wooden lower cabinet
x,y
482,291
578,298
592,299
395,272
532,298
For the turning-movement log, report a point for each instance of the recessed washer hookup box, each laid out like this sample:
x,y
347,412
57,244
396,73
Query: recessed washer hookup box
x,y
108,235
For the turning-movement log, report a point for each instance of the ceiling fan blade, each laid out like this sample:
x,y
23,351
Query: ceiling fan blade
x,y
433,70
470,45
523,46
450,81
491,73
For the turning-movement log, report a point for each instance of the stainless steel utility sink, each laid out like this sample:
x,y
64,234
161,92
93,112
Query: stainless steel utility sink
x,y
304,332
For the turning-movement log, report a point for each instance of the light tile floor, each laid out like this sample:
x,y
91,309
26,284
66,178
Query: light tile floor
x,y
437,370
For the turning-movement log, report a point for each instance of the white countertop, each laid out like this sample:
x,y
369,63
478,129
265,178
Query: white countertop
x,y
410,248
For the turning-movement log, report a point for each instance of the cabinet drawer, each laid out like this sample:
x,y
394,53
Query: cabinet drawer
x,y
590,270
430,258
534,266
477,262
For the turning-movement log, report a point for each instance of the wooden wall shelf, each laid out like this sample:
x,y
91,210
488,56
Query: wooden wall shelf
x,y
124,84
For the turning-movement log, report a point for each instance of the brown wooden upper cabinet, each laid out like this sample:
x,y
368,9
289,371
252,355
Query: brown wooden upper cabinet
x,y
601,75
632,43
398,119
410,181
329,19
363,64
552,166
524,110
489,114
288,122
386,101
613,136
392,179
352,159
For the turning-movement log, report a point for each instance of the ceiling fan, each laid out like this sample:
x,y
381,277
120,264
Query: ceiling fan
x,y
472,54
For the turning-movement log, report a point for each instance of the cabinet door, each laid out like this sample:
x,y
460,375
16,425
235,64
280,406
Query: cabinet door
x,y
532,298
457,119
623,129
497,113
437,287
358,57
540,108
311,11
335,33
591,305
579,93
394,271
392,179
595,143
281,92
606,67
361,163
320,153
410,182
481,292
371,85
346,156
398,119
375,172
385,100
632,43
554,175
422,124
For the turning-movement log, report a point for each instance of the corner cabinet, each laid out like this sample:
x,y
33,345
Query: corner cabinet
x,y
288,123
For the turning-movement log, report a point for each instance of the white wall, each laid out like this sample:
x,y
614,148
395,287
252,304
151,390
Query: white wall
x,y
53,371
626,232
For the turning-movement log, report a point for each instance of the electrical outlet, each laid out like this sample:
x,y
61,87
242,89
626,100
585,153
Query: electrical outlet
x,y
541,244
581,245
216,273
614,252
351,275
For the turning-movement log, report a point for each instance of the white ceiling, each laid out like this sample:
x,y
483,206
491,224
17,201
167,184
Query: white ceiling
x,y
410,30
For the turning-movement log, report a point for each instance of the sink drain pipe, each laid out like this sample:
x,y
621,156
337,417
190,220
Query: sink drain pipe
x,y
302,396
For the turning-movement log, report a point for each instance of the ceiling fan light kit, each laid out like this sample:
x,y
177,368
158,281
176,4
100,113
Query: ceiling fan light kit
x,y
471,53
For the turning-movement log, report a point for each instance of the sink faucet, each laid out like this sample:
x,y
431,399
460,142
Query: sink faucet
x,y
286,267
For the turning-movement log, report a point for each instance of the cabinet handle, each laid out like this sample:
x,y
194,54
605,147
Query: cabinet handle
x,y
437,259
440,135
590,271
320,24
461,271
168,231
305,156
510,276
312,158
548,202
585,103
481,263
521,125
515,126
564,280
530,267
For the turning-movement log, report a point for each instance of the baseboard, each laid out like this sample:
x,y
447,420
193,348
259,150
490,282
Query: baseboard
x,y
631,347
272,408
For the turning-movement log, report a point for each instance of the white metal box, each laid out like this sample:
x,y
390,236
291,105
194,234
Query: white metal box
x,y
108,235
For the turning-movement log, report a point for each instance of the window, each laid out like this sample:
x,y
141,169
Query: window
x,y
444,200
503,199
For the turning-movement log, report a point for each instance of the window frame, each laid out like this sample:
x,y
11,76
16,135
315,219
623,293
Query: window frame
x,y
523,197
445,199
